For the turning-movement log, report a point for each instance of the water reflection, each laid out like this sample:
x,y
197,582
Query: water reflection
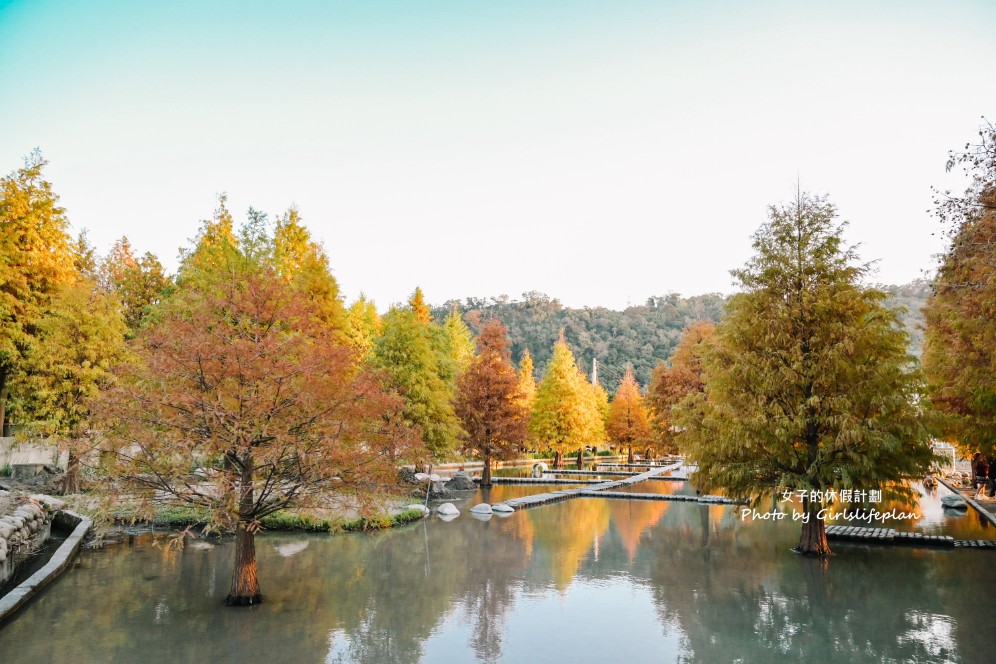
x,y
584,580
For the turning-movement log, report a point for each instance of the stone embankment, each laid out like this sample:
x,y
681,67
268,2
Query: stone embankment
x,y
25,524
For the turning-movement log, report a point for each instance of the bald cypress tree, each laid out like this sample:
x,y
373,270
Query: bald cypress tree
x,y
809,385
565,415
627,423
489,403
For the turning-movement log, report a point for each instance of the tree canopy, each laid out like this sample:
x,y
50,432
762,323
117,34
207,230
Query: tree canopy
x,y
960,342
671,382
36,260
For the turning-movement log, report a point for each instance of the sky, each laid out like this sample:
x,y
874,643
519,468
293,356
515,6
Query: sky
x,y
598,152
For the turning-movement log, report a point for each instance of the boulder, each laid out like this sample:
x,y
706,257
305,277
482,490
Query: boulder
x,y
461,482
954,502
447,517
438,491
481,508
481,517
6,530
502,508
417,506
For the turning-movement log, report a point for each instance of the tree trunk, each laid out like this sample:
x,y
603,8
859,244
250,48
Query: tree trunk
x,y
580,459
71,483
3,400
486,472
629,457
813,541
245,583
558,460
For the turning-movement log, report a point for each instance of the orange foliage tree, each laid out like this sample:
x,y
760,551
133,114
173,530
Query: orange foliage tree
x,y
628,423
672,382
241,382
489,401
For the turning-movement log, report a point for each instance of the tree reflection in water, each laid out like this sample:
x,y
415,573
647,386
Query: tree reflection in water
x,y
670,581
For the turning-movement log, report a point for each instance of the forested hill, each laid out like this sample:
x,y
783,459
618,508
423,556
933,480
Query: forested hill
x,y
639,335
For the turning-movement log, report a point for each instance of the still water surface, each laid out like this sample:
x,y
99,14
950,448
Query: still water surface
x,y
586,580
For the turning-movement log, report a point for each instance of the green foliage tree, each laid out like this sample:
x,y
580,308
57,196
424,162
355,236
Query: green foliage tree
x,y
138,283
363,325
564,416
489,403
408,352
36,260
459,339
672,382
303,262
627,423
960,342
80,338
809,385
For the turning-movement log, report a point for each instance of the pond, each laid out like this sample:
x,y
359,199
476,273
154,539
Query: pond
x,y
585,580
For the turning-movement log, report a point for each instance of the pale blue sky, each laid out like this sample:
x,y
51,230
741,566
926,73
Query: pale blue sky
x,y
600,152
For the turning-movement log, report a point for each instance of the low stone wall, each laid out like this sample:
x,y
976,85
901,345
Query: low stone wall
x,y
60,560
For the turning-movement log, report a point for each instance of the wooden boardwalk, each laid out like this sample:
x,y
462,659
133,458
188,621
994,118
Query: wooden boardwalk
x,y
603,489
891,536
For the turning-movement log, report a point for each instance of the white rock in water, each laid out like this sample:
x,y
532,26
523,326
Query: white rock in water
x,y
291,549
447,517
421,477
417,506
954,502
502,508
481,517
481,508
201,545
448,508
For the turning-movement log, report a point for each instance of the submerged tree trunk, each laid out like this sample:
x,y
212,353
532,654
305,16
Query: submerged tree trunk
x,y
813,541
558,460
580,459
486,472
245,583
629,457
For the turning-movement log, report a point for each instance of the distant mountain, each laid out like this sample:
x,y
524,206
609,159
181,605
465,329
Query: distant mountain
x,y
912,297
640,335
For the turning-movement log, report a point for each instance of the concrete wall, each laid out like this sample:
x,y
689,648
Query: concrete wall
x,y
12,451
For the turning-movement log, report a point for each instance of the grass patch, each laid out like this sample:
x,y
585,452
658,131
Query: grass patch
x,y
182,517
6,471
